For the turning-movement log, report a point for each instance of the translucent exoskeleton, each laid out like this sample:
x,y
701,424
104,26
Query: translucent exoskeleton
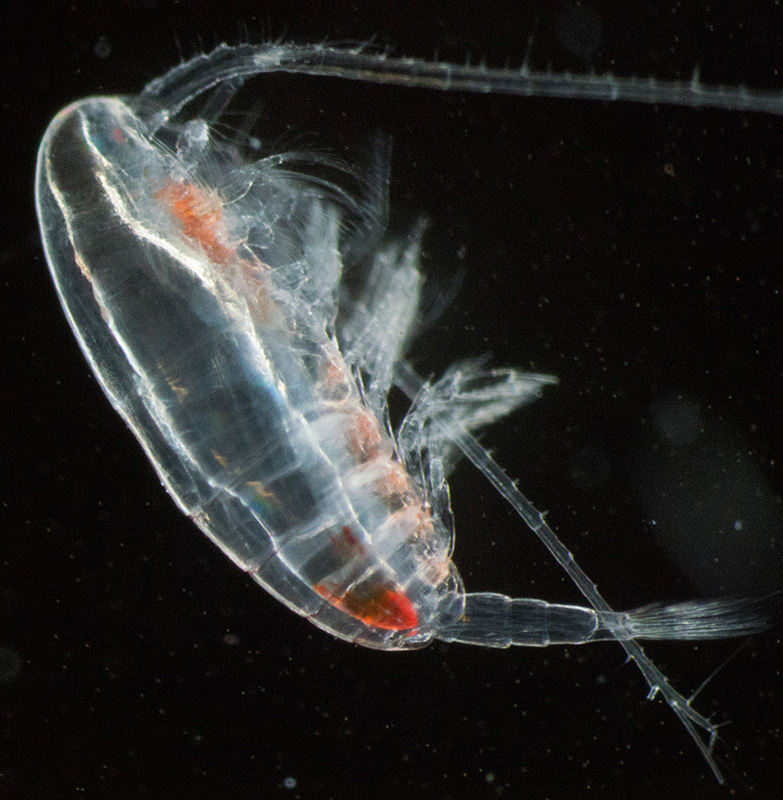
x,y
204,291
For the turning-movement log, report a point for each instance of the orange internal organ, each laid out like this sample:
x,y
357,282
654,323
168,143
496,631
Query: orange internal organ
x,y
374,601
200,216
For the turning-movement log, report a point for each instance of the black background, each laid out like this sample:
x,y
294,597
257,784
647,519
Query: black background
x,y
634,251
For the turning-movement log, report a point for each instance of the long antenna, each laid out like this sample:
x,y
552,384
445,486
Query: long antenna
x,y
165,96
410,384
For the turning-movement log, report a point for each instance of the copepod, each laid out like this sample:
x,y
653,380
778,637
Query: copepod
x,y
204,291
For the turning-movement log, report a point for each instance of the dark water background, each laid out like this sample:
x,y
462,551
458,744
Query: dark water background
x,y
633,251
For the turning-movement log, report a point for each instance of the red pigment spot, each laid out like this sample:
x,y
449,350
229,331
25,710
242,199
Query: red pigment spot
x,y
333,381
200,215
350,537
118,134
374,602
347,543
395,486
364,437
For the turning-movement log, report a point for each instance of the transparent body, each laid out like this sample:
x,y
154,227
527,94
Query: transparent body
x,y
204,291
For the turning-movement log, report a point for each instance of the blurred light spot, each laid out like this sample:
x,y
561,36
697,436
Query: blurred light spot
x,y
10,665
102,47
580,30
716,513
677,419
